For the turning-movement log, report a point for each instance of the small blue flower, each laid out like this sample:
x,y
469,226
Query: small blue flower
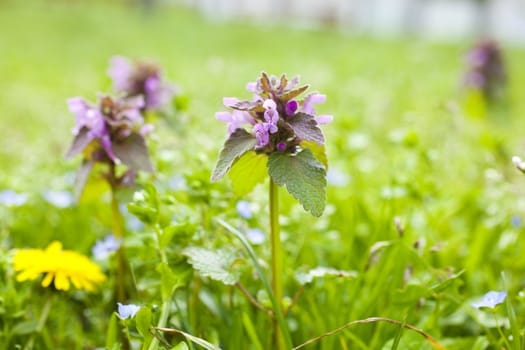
x,y
255,236
515,221
244,209
127,311
490,300
60,199
103,249
12,199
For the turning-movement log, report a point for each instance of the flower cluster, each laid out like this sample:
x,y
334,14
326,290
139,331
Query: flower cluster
x,y
486,69
276,116
141,78
62,267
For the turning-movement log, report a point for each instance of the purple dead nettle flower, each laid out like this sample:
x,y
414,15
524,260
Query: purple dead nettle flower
x,y
486,69
112,132
140,78
275,116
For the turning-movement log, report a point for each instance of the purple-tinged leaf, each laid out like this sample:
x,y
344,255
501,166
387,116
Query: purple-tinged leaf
x,y
239,142
265,82
282,84
306,128
294,93
81,141
133,152
249,106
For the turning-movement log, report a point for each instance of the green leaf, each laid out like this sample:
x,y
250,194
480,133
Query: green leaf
x,y
306,128
143,324
183,232
169,281
215,264
145,205
181,346
321,272
318,151
239,142
248,171
133,152
199,341
304,177
410,294
26,327
112,332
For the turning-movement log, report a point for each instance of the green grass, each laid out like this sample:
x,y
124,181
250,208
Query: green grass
x,y
400,134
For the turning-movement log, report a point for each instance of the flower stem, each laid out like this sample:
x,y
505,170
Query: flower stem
x,y
41,322
117,223
166,304
502,335
277,259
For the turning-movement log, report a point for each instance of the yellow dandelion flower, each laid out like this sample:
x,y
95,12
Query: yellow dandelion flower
x,y
60,266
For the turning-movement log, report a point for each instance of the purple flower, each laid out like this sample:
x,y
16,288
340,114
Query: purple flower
x,y
141,79
291,107
490,300
103,248
12,199
110,120
281,146
127,311
274,101
261,134
486,69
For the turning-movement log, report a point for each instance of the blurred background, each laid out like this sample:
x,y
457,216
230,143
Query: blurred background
x,y
439,19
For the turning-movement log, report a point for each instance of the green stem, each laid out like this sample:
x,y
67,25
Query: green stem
x,y
166,304
277,259
117,223
276,309
41,323
502,335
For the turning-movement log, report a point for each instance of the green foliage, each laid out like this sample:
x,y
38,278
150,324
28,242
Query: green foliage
x,y
216,264
403,143
239,142
303,176
248,171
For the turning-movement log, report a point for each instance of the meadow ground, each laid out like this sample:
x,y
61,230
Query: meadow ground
x,y
406,142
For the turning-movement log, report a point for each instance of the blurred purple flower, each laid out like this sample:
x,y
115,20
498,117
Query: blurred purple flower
x,y
108,120
104,248
12,199
140,78
60,199
127,311
490,300
486,69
